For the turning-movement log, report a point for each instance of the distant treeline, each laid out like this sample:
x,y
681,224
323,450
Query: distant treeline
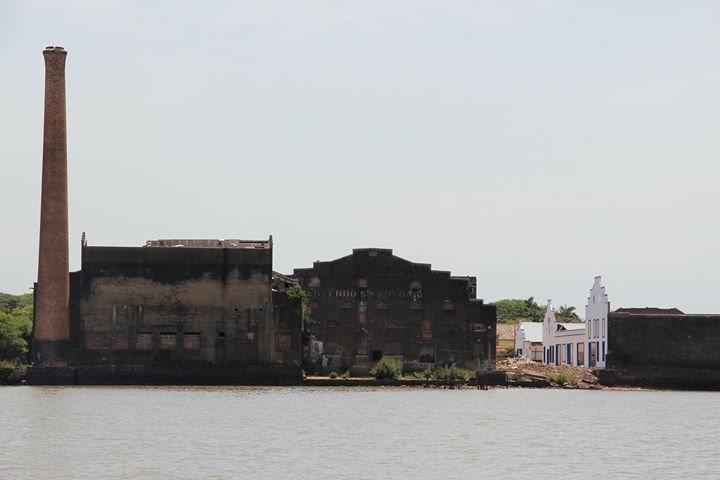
x,y
16,312
513,310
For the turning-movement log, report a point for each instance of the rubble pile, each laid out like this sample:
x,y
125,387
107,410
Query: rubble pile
x,y
563,375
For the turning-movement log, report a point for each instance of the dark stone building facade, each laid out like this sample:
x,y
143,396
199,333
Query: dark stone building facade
x,y
372,304
662,348
182,311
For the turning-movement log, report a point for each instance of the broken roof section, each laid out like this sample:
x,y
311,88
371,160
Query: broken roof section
x,y
210,243
571,326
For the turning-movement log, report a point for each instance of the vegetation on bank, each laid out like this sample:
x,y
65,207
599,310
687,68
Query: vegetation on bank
x,y
514,310
389,368
16,313
563,378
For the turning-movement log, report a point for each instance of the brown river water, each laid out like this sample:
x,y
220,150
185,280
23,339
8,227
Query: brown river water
x,y
356,433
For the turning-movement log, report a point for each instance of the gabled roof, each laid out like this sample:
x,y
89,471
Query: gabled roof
x,y
533,331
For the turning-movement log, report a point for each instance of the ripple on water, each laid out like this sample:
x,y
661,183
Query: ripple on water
x,y
354,433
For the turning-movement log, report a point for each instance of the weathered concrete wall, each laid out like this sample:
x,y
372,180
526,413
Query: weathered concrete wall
x,y
663,350
182,315
372,304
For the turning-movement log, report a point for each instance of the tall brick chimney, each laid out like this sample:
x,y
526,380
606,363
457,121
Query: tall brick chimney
x,y
51,339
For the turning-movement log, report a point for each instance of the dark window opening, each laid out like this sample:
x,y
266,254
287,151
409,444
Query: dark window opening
x,y
283,342
168,341
191,341
143,341
221,334
427,353
376,355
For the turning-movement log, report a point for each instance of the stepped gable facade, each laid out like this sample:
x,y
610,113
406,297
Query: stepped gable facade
x,y
372,304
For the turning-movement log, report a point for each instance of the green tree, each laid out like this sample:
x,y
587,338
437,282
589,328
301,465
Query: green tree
x,y
298,296
9,302
15,327
511,310
568,314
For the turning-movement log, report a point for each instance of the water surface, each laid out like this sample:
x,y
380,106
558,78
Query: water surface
x,y
356,433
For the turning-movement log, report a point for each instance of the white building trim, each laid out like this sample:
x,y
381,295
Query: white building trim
x,y
596,315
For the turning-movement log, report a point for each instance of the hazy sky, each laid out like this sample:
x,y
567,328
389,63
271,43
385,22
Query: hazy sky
x,y
534,144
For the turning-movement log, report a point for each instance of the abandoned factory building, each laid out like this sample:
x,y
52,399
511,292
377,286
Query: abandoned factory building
x,y
214,312
372,304
182,311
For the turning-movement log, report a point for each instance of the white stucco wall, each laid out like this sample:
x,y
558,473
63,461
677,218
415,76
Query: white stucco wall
x,y
556,338
596,314
529,339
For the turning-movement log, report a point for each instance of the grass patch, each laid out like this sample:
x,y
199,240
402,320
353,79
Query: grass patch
x,y
445,373
563,378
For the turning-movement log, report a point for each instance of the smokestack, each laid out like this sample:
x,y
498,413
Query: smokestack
x,y
51,340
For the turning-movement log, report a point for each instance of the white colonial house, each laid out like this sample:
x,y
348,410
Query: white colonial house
x,y
563,343
529,341
596,315
579,343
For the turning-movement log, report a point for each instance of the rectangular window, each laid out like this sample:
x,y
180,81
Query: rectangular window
x,y
592,359
603,328
558,352
568,354
580,354
283,342
143,341
191,341
427,353
167,341
119,341
603,352
96,340
426,329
